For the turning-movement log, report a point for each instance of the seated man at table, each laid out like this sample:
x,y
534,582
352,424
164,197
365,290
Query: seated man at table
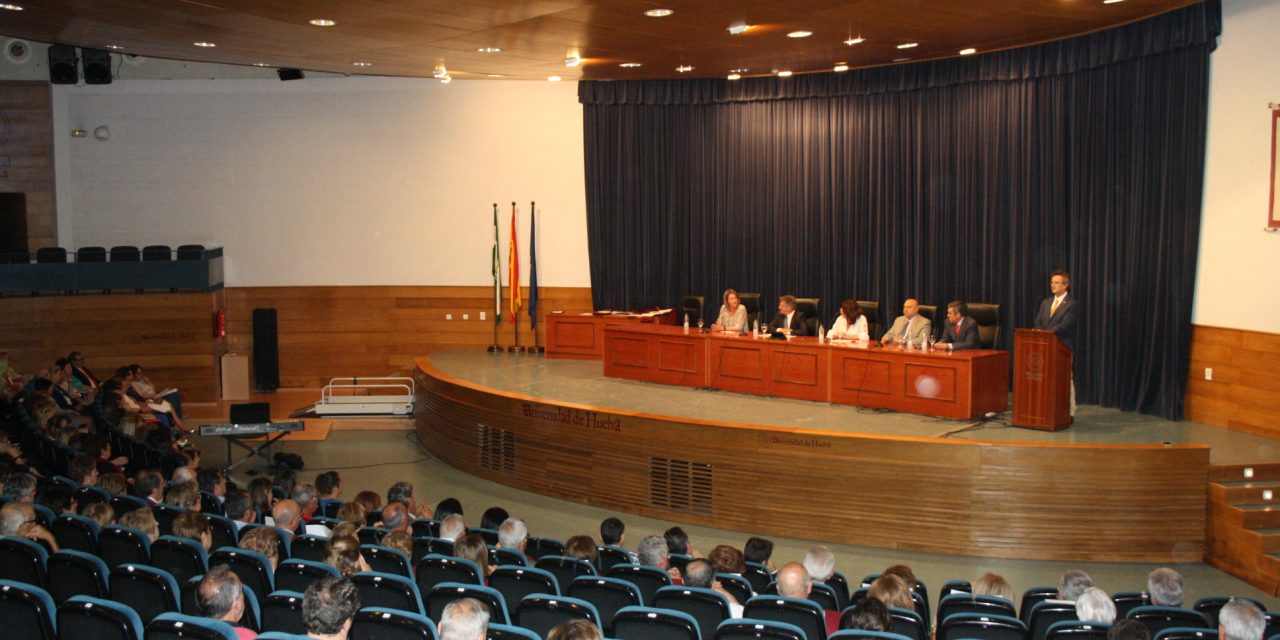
x,y
961,331
910,325
789,321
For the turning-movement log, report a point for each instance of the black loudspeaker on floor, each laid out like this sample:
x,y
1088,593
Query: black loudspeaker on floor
x,y
266,351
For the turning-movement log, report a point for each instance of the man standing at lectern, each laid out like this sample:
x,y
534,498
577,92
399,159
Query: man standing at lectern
x,y
1058,314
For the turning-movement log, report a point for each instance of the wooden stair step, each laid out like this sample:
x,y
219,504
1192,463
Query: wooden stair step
x,y
1258,516
1269,539
1236,472
1245,492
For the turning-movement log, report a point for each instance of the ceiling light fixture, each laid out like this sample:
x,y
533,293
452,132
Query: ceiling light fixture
x,y
840,66
1111,1
553,78
261,64
684,68
496,75
784,74
908,45
852,40
739,29
800,34
734,76
11,7
361,64
446,80
901,59
489,50
115,47
440,71
322,22
629,65
658,13
968,52
573,60
206,45
741,70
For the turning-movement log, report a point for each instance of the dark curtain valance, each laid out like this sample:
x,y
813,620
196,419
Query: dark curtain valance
x,y
955,180
1192,27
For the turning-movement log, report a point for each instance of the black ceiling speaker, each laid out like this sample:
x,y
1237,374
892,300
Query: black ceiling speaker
x,y
290,74
97,66
62,65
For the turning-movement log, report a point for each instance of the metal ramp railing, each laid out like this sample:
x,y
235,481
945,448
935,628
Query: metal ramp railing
x,y
355,396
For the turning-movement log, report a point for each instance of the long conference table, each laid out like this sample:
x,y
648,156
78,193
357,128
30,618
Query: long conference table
x,y
959,384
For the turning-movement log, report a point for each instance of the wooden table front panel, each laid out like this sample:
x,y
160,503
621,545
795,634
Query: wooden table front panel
x,y
964,384
581,337
656,353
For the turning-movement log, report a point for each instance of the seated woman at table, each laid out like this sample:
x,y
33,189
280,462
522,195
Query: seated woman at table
x,y
733,316
851,325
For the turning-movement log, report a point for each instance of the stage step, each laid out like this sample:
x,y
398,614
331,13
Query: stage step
x,y
1243,523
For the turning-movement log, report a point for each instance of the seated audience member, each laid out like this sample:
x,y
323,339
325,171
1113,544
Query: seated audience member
x,y
893,591
733,314
652,552
82,377
575,630
910,327
344,530
1164,587
221,596
902,571
820,563
114,483
239,508
678,542
1241,620
262,495
304,493
513,535
264,540
170,401
402,492
59,499
352,512
851,325
464,619
613,532
328,607
185,474
19,519
403,541
493,518
448,507
961,331
286,515
20,487
760,551
344,555
194,525
1072,584
214,483
726,559
867,614
452,527
100,512
581,547
329,487
1094,605
1129,630
148,484
369,501
993,584
11,454
699,573
184,496
794,582
284,482
143,520
472,547
395,517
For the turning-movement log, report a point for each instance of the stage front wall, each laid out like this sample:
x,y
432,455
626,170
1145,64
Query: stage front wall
x,y
1056,502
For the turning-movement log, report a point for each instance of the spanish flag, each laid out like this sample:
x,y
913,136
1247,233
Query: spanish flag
x,y
513,268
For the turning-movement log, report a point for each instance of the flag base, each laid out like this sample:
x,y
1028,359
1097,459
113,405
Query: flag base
x,y
515,349
495,348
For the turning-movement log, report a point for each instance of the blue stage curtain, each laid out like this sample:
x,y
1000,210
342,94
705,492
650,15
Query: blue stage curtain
x,y
967,178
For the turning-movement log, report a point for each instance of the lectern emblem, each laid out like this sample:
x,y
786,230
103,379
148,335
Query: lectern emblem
x,y
1035,366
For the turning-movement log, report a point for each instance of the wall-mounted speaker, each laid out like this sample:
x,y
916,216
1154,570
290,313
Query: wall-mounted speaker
x,y
97,66
266,351
17,51
290,74
62,65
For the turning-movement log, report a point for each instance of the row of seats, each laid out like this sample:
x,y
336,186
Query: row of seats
x,y
120,253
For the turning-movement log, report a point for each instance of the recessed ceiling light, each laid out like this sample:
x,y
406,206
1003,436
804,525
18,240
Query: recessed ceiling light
x,y
852,41
446,80
489,50
496,75
784,74
440,71
684,68
741,70
629,65
901,59
553,78
206,45
840,67
115,47
734,76
1111,1
361,64
572,61
322,22
10,7
968,52
261,64
658,13
908,45
800,34
739,29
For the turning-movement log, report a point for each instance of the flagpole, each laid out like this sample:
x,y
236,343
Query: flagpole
x,y
533,278
497,285
513,260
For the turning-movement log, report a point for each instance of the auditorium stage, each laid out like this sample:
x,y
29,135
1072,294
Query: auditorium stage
x,y
1114,487
582,382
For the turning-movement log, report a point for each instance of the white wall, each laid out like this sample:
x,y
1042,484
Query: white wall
x,y
1239,262
341,181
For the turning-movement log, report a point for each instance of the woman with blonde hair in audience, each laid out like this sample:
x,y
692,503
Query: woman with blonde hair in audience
x,y
892,591
344,555
369,500
142,520
100,512
184,496
581,547
902,571
352,512
264,540
993,584
400,541
344,530
194,526
472,547
114,483
575,630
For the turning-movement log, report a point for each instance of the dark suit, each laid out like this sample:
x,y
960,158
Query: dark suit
x,y
968,338
798,325
1062,322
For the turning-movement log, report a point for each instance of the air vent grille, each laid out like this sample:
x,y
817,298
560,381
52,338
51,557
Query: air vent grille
x,y
497,449
680,485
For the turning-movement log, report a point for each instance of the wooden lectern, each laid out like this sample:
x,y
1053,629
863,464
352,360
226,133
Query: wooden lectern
x,y
1041,380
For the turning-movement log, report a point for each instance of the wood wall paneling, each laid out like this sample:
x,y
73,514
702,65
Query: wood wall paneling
x,y
1244,394
26,156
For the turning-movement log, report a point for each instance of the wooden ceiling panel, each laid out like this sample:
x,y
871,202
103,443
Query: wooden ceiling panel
x,y
410,37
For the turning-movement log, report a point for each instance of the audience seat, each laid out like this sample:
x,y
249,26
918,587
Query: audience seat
x,y
424,528
538,547
296,574
384,560
953,587
89,494
27,612
182,557
190,252
859,634
609,595
165,515
91,254
651,623
51,255
150,591
424,546
85,617
499,557
75,573
1045,614
988,318
1209,606
840,585
123,504
803,613
177,626
280,635
736,585
706,607
510,632
253,568
392,624
125,253
490,536
371,535
156,253
565,568
282,611
1159,618
517,582
1077,630
647,579
389,591
541,612
968,603
981,627
308,547
608,555
908,622
435,569
1033,596
22,560
758,575
1186,633
442,594
76,532
751,629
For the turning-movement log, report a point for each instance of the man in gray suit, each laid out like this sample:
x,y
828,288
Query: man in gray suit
x,y
911,325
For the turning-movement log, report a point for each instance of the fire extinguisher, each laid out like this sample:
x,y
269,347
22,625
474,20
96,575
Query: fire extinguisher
x,y
219,324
